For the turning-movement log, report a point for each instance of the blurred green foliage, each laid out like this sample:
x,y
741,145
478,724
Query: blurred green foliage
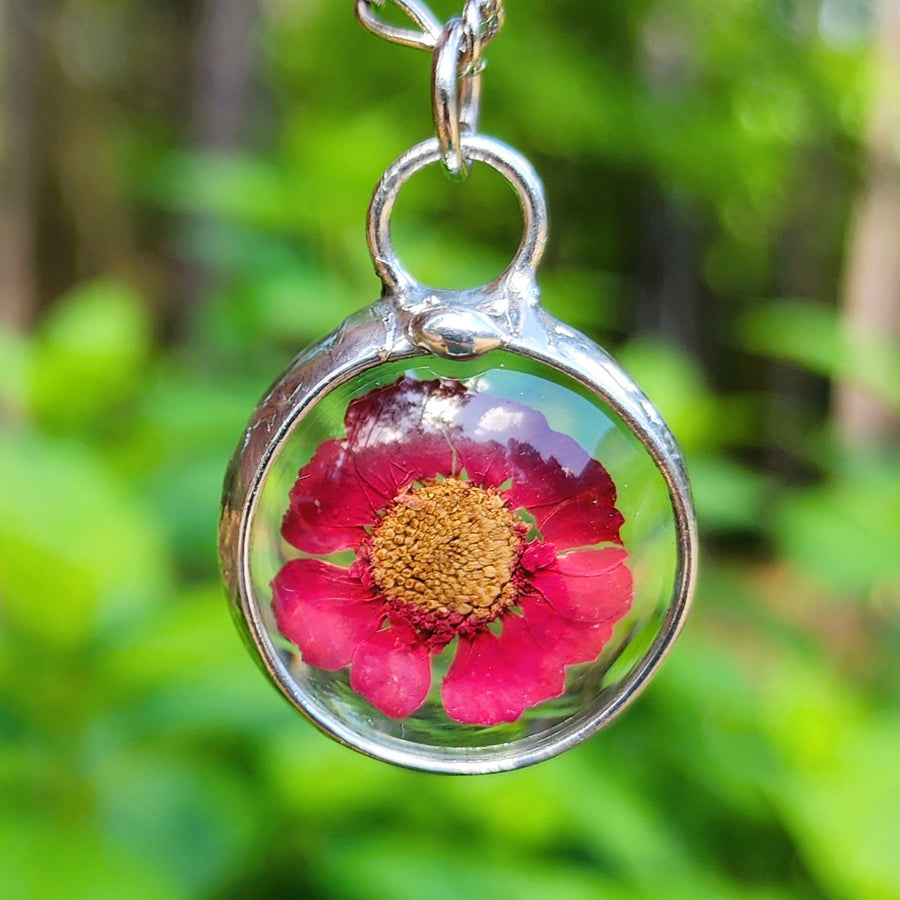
x,y
142,754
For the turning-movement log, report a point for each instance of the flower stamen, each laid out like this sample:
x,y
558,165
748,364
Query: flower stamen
x,y
448,547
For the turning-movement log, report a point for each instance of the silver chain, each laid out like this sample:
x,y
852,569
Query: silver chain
x,y
426,38
483,20
458,50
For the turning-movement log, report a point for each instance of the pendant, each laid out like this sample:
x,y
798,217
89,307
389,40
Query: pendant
x,y
455,533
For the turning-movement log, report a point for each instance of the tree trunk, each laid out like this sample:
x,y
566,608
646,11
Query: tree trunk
x,y
224,58
872,280
18,25
220,94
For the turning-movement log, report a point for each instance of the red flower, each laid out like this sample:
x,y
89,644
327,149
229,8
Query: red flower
x,y
429,488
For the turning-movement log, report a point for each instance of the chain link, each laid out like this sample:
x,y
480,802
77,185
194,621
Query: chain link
x,y
458,49
483,20
426,38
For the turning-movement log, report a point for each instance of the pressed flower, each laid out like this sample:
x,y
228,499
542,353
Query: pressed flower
x,y
477,530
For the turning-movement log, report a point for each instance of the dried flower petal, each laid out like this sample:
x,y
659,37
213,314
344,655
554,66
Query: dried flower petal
x,y
392,670
329,508
586,585
495,679
324,611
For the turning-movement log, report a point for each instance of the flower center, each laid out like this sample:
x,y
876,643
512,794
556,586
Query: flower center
x,y
449,547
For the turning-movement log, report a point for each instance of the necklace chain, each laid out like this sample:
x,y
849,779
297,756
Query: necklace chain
x,y
458,49
482,19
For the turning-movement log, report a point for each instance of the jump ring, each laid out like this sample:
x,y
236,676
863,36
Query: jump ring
x,y
455,111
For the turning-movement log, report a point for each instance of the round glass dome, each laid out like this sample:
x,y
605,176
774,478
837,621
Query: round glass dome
x,y
461,566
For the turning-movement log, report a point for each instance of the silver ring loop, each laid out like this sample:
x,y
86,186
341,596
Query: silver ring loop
x,y
476,148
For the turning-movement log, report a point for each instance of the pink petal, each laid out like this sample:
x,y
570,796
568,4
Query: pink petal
x,y
392,670
400,433
495,679
387,414
328,507
563,641
386,470
538,555
587,585
487,418
486,464
395,435
572,507
490,431
324,611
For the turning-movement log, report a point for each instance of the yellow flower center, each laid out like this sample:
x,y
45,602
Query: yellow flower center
x,y
448,547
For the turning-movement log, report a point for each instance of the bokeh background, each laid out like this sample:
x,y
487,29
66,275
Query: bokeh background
x,y
183,198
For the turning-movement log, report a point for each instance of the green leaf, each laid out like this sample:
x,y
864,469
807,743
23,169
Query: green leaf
x,y
43,859
845,532
16,353
675,385
78,552
840,787
90,353
728,496
813,336
194,820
